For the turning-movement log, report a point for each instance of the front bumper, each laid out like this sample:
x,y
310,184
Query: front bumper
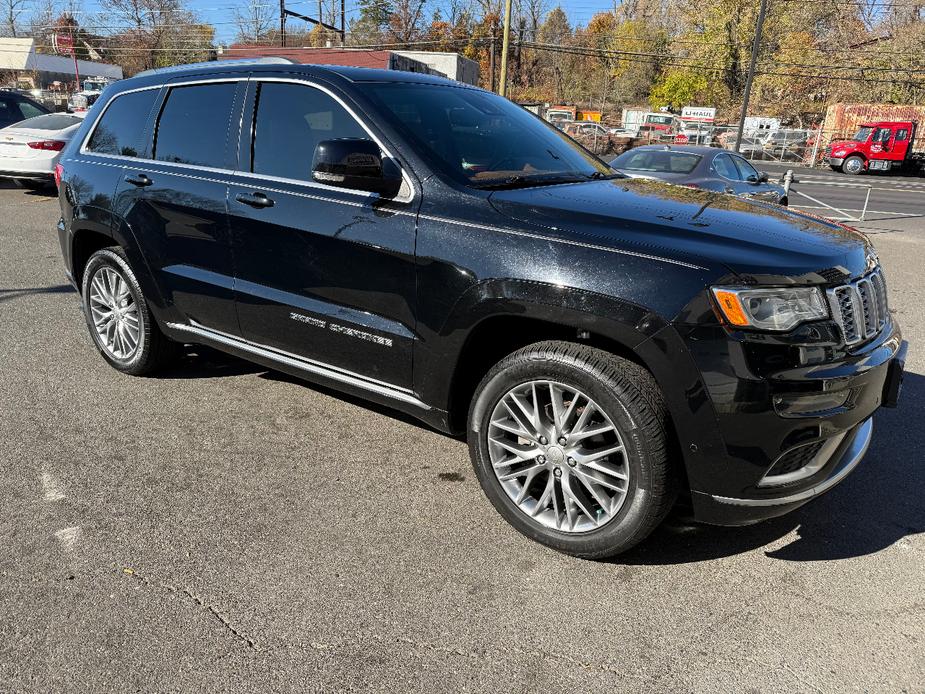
x,y
835,161
739,481
727,510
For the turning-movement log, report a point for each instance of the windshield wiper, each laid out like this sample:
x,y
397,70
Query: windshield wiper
x,y
601,176
518,181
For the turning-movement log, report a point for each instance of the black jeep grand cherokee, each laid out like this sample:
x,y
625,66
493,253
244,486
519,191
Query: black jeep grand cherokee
x,y
606,343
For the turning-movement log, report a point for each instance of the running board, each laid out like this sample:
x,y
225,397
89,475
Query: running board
x,y
307,365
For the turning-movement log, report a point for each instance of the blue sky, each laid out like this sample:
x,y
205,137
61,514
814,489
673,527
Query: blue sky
x,y
221,12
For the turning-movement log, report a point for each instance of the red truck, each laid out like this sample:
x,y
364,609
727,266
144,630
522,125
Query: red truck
x,y
877,146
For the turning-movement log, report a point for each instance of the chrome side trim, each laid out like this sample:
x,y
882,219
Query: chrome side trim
x,y
308,365
403,197
850,460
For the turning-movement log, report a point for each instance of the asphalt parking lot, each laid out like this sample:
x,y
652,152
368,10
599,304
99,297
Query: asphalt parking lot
x,y
226,528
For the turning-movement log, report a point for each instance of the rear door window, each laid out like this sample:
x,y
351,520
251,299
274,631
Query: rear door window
x,y
30,110
193,125
902,135
291,120
119,129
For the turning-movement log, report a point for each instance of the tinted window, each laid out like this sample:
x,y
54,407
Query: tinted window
x,y
51,121
119,129
9,114
481,138
725,167
661,161
902,135
745,169
30,110
193,125
291,120
882,135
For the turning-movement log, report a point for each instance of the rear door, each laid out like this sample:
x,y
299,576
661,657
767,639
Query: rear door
x,y
323,273
173,198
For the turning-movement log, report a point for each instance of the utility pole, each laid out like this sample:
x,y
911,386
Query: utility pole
x,y
505,44
343,24
282,23
762,10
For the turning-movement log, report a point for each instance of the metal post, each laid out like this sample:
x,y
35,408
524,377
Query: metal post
x,y
762,10
505,42
816,146
866,200
788,181
343,24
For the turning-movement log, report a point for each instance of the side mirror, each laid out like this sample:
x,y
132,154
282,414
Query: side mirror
x,y
353,163
763,177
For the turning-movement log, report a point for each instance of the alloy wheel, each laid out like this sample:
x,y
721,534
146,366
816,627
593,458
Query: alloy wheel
x,y
114,313
558,456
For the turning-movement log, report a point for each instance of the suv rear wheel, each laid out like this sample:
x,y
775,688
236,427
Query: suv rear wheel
x,y
570,445
118,317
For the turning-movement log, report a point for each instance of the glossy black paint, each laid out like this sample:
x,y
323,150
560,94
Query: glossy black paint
x,y
402,300
708,175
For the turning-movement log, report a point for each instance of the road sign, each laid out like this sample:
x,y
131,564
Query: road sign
x,y
698,113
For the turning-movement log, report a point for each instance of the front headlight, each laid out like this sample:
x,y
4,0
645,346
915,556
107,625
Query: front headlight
x,y
770,309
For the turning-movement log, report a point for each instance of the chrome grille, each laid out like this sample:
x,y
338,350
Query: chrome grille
x,y
860,308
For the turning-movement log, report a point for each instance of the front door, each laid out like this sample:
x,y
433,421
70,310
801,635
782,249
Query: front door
x,y
174,201
322,273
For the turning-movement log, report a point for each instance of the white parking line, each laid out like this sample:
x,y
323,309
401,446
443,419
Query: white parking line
x,y
68,538
51,489
846,209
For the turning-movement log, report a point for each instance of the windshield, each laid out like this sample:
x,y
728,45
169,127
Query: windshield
x,y
661,120
52,121
661,161
863,134
479,138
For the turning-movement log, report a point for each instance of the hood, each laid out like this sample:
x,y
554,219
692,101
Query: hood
x,y
835,144
763,241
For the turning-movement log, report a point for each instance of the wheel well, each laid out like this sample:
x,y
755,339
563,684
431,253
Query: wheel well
x,y
85,244
495,338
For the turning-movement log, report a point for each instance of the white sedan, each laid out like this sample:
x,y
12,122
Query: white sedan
x,y
30,148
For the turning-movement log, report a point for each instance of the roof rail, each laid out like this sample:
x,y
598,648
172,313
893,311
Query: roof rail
x,y
265,60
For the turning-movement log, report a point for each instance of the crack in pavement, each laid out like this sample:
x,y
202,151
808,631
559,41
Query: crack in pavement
x,y
211,609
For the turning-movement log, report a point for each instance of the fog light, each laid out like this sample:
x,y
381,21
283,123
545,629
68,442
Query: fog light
x,y
796,405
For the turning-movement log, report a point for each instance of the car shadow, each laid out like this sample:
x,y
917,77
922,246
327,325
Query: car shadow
x,y
16,293
877,506
199,361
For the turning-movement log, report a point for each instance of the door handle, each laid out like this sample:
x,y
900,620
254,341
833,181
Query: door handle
x,y
140,180
254,199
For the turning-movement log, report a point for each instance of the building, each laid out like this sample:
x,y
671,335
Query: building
x,y
450,65
32,70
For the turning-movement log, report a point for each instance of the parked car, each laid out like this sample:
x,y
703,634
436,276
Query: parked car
x,y
15,107
700,167
30,149
606,343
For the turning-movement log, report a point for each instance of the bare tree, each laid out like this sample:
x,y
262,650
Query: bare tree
x,y
12,11
254,20
405,22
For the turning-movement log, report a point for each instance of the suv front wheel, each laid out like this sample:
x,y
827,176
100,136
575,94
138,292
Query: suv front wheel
x,y
118,317
570,444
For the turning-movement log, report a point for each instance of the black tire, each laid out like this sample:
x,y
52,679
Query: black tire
x,y
853,165
631,399
154,349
